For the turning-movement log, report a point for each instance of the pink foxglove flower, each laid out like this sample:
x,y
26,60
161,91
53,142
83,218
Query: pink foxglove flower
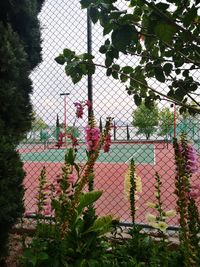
x,y
71,178
79,110
30,213
107,144
47,209
74,140
88,103
192,159
192,164
80,107
195,191
92,138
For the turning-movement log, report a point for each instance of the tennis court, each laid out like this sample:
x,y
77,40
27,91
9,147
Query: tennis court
x,y
110,171
119,153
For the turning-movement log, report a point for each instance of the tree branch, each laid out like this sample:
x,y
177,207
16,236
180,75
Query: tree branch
x,y
153,90
194,100
171,21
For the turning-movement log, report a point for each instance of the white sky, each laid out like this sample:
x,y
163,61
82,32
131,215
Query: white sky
x,y
64,26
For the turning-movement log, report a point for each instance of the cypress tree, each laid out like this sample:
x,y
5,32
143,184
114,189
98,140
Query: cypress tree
x,y
100,125
114,130
127,133
20,52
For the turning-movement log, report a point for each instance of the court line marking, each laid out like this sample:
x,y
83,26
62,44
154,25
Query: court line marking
x,y
154,155
128,160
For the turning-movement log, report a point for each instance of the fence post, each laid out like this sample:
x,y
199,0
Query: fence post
x,y
89,50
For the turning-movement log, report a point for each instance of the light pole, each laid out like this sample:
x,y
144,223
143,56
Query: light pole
x,y
65,110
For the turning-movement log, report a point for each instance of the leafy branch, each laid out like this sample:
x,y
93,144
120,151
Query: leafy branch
x,y
164,16
79,65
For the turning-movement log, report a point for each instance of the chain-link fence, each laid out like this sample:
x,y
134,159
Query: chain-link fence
x,y
64,24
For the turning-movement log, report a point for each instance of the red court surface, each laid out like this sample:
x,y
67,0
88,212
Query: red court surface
x,y
110,179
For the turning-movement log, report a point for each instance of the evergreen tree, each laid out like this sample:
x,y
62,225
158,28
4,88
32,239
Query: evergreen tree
x,y
100,125
20,52
127,133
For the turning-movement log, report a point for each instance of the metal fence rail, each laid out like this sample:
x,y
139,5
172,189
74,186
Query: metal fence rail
x,y
64,24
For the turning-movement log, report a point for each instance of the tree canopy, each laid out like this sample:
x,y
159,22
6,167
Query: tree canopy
x,y
145,120
38,123
166,121
163,36
20,52
22,17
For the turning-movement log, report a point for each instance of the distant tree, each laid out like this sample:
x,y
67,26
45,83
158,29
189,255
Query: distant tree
x,y
38,123
57,130
146,120
100,125
57,121
74,131
166,121
127,132
114,130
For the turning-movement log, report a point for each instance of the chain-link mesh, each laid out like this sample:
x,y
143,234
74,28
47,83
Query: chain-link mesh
x,y
64,25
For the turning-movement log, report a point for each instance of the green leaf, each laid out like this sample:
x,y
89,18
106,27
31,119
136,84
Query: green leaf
x,y
68,53
93,263
159,75
107,42
115,75
76,78
124,36
70,156
123,78
60,59
103,49
190,16
127,69
193,87
138,11
115,67
85,3
107,28
178,71
167,68
90,68
109,71
88,199
34,260
88,56
108,61
165,31
127,19
162,6
83,263
178,61
101,225
186,73
94,14
137,99
43,256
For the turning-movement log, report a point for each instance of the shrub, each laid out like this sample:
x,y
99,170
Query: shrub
x,y
19,53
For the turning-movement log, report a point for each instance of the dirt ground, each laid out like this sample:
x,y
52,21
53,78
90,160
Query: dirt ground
x,y
24,228
15,250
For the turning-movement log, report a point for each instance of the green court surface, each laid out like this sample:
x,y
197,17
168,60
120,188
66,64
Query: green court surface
x,y
119,153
